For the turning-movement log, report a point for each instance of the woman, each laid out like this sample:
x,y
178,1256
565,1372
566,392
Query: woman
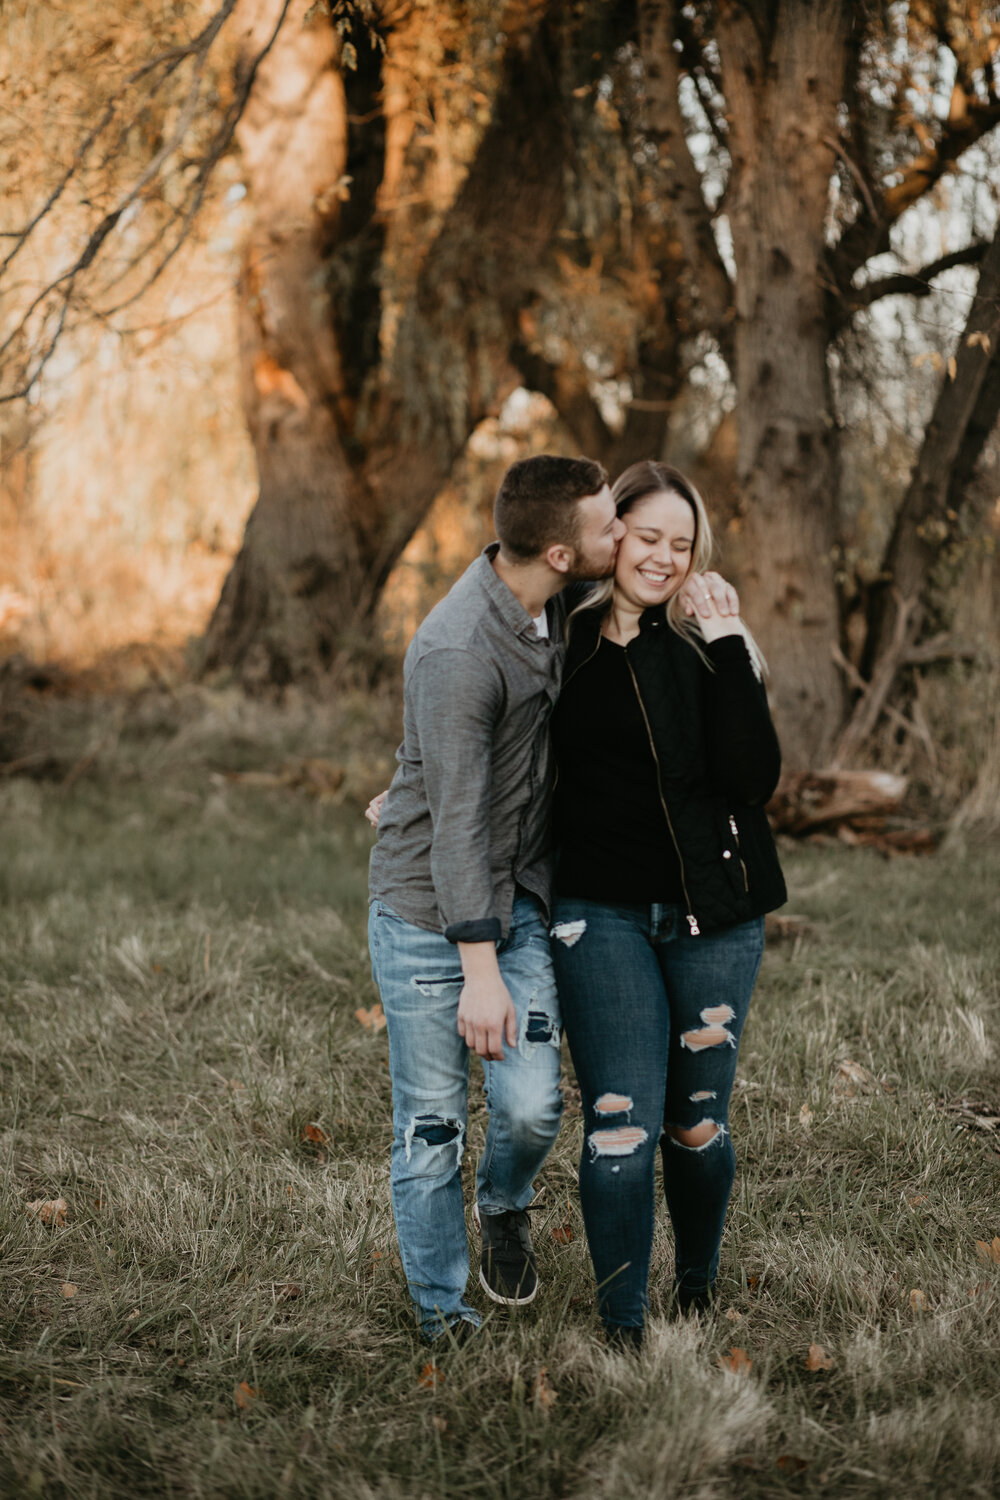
x,y
666,755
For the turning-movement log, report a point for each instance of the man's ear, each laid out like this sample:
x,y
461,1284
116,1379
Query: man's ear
x,y
559,557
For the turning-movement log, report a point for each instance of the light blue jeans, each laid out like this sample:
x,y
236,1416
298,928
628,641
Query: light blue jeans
x,y
419,977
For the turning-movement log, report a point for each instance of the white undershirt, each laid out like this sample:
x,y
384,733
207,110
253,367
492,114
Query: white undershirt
x,y
541,623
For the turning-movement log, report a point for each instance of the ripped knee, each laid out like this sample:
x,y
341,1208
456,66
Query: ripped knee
x,y
696,1137
435,1131
540,1029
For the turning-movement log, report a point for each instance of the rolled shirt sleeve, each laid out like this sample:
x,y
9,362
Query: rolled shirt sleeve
x,y
456,698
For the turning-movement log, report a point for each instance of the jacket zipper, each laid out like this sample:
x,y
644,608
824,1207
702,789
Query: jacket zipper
x,y
577,668
739,851
692,920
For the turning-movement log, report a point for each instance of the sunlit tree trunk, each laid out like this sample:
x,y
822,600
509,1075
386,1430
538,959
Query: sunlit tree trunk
x,y
782,68
298,574
358,404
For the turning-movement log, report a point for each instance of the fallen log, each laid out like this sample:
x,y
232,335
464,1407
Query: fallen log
x,y
807,801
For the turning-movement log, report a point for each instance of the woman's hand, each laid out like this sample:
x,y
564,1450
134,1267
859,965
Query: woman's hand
x,y
709,596
374,809
714,603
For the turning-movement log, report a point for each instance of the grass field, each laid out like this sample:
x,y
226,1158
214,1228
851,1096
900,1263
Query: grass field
x,y
221,1311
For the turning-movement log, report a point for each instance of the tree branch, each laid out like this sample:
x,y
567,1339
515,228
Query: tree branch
x,y
917,283
64,285
666,127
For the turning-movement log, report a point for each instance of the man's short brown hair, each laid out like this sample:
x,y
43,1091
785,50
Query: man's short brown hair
x,y
536,504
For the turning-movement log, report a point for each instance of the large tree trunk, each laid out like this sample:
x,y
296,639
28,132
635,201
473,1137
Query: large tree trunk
x,y
783,68
359,401
297,580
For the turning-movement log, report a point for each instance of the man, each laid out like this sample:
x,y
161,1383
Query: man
x,y
460,884
460,887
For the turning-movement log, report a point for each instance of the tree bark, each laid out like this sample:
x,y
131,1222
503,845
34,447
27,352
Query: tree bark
x,y
357,419
297,578
964,414
783,73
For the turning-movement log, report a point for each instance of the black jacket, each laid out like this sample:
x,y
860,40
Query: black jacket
x,y
718,763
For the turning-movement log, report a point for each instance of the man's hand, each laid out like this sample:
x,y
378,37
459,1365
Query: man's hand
x,y
707,595
486,1013
374,809
485,1016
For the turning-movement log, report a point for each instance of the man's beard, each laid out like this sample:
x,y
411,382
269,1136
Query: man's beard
x,y
586,569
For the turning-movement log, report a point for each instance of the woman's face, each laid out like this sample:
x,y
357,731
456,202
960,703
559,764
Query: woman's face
x,y
654,555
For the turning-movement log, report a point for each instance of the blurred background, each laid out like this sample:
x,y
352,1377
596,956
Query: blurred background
x,y
284,287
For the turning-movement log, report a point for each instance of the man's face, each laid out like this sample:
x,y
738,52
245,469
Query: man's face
x,y
599,534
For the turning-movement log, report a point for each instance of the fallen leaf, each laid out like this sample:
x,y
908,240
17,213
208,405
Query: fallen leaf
x,y
317,1136
952,367
805,1117
562,1234
852,1079
982,339
916,1201
49,1210
737,1360
372,1020
287,1291
989,1252
430,1376
818,1359
69,1289
132,1315
918,1302
245,1394
101,1202
732,1316
544,1393
791,1464
439,1423
378,1254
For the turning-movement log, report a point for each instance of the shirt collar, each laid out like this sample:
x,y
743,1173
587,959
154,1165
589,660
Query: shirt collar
x,y
510,609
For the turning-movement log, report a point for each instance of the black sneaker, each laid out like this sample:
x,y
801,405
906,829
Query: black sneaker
x,y
507,1270
691,1300
623,1338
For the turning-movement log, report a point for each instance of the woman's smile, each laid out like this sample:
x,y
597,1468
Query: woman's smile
x,y
654,556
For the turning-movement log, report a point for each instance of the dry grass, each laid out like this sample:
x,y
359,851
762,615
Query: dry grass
x,y
181,958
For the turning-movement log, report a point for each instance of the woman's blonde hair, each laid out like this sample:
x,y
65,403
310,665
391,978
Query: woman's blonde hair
x,y
650,478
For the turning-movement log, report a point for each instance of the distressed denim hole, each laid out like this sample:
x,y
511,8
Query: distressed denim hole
x,y
569,933
436,985
623,1140
435,1131
707,1036
696,1137
541,1028
613,1104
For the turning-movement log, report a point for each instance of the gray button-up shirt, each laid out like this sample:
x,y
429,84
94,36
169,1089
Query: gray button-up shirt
x,y
467,815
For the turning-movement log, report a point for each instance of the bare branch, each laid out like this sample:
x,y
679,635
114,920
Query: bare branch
x,y
918,283
217,149
184,215
871,704
169,61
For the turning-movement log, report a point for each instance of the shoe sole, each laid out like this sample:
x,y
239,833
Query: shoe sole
x,y
495,1296
507,1301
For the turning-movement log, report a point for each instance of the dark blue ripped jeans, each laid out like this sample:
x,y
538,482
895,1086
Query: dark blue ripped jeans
x,y
653,1017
